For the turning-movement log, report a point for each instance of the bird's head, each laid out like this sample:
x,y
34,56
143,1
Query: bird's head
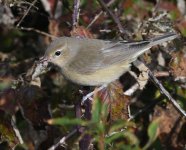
x,y
58,52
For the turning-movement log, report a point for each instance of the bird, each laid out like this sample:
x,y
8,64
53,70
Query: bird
x,y
95,62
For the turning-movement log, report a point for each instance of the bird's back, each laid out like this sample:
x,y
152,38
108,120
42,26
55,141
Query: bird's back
x,y
104,61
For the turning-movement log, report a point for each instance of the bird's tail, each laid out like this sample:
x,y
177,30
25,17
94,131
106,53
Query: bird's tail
x,y
164,38
152,42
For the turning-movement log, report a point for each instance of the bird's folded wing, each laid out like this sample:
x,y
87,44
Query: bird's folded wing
x,y
101,55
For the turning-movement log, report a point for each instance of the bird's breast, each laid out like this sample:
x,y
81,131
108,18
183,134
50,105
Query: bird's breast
x,y
99,77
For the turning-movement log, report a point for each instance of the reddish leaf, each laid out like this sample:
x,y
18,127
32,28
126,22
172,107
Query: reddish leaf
x,y
118,102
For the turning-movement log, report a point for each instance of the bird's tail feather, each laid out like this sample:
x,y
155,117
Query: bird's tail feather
x,y
163,38
155,41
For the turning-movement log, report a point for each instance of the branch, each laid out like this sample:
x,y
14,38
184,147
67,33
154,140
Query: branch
x,y
100,13
115,19
166,93
38,31
75,16
32,4
84,143
17,133
63,140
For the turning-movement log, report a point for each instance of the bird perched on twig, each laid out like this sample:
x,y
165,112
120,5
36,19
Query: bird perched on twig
x,y
96,62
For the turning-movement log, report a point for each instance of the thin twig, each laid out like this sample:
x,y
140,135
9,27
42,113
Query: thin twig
x,y
131,91
17,133
89,95
85,141
116,20
94,20
166,93
38,31
162,74
75,16
100,13
131,117
31,5
63,140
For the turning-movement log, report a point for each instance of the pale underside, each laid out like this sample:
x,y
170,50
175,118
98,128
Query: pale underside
x,y
99,77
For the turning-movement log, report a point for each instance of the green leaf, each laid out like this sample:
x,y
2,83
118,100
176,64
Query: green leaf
x,y
96,110
66,121
152,130
119,124
152,133
114,137
130,137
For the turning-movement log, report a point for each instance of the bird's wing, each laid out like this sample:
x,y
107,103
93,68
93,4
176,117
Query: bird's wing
x,y
98,54
102,54
123,51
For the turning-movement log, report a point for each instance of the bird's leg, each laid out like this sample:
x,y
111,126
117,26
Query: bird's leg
x,y
89,95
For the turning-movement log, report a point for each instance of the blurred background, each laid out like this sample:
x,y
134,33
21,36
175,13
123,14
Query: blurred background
x,y
27,107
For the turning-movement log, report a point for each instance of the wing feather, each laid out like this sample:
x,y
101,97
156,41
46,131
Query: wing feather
x,y
99,54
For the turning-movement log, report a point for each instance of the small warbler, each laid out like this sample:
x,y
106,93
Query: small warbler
x,y
96,62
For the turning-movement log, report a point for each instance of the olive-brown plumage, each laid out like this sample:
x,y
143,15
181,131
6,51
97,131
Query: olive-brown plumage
x,y
96,62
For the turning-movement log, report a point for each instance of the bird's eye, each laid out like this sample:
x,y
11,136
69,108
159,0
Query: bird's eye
x,y
57,53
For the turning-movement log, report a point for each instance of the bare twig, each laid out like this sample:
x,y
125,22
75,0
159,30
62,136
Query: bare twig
x,y
78,112
94,20
116,20
131,91
63,140
89,95
166,93
32,4
38,31
13,123
100,13
131,117
85,141
162,74
75,16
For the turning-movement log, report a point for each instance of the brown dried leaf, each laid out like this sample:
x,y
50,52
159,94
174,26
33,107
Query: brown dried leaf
x,y
53,29
178,64
170,126
181,25
81,31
